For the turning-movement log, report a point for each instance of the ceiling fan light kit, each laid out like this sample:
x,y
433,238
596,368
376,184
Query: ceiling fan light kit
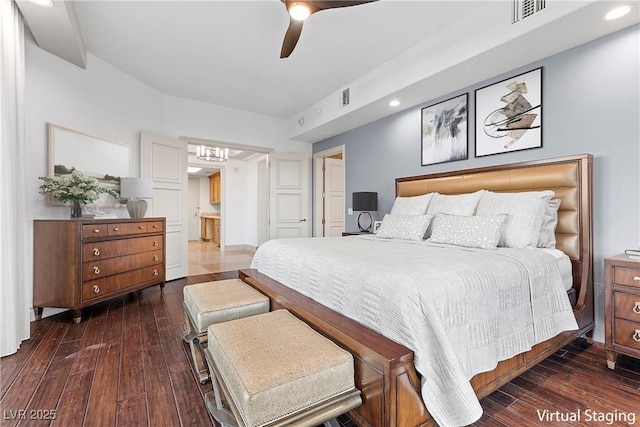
x,y
300,10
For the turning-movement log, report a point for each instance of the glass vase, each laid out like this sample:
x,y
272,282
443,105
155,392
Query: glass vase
x,y
76,210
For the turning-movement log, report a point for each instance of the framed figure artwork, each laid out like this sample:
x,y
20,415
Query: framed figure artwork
x,y
509,115
444,131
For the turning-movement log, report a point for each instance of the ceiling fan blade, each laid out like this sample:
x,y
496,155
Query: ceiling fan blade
x,y
331,4
291,37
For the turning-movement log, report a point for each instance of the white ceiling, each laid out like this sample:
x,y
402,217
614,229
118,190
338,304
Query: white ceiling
x,y
227,52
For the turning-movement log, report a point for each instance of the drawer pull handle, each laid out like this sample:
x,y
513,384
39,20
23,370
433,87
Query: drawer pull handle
x,y
155,243
140,227
96,251
636,308
96,230
155,258
155,273
96,270
116,229
155,226
636,278
636,335
96,289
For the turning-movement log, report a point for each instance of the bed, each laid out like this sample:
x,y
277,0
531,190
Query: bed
x,y
386,370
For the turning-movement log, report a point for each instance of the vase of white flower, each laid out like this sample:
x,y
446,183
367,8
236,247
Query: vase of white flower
x,y
76,188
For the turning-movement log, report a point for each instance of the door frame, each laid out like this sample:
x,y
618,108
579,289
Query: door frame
x,y
318,202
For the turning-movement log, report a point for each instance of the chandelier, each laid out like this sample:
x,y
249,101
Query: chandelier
x,y
212,154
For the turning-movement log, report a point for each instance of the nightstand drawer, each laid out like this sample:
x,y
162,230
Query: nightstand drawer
x,y
627,334
627,306
626,276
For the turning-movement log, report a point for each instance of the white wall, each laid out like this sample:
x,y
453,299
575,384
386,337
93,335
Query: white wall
x,y
103,101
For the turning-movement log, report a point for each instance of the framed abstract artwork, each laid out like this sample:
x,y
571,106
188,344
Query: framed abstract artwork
x,y
444,131
509,115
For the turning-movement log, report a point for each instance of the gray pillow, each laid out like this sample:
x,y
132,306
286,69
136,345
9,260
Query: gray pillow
x,y
525,212
415,205
547,237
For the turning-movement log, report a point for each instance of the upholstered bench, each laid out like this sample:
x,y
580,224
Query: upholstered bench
x,y
275,370
213,302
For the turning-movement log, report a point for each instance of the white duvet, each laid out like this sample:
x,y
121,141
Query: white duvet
x,y
460,310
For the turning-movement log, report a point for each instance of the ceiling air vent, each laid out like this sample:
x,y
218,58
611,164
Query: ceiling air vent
x,y
344,98
525,8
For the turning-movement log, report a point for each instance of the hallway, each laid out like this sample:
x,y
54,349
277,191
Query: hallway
x,y
206,257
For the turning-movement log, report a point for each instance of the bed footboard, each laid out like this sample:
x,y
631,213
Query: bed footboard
x,y
384,370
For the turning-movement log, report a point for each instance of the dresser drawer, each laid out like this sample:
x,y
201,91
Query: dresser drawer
x,y
106,267
155,227
627,333
120,283
627,306
626,276
92,251
94,230
121,229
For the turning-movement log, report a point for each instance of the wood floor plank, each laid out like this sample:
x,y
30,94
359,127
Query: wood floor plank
x,y
73,401
186,394
133,412
161,402
102,406
18,397
13,365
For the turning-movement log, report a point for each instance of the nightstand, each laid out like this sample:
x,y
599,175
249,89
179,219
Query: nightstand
x,y
622,307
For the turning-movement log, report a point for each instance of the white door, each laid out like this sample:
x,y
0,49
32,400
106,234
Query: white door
x,y
288,196
164,159
194,209
333,197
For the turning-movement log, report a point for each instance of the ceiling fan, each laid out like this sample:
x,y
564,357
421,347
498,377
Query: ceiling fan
x,y
299,10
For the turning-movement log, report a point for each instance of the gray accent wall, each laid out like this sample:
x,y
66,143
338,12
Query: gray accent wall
x,y
591,104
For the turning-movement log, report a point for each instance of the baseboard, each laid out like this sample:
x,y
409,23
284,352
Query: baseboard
x,y
249,248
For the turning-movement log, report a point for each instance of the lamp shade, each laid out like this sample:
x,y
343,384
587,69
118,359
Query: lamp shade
x,y
365,201
136,188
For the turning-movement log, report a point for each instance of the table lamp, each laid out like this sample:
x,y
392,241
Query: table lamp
x,y
135,190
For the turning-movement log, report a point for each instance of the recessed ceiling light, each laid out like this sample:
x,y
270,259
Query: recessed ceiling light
x,y
43,3
193,170
618,12
394,103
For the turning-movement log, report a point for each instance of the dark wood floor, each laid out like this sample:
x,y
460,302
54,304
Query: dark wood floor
x,y
126,365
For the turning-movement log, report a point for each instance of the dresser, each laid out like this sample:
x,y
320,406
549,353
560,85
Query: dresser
x,y
80,262
622,308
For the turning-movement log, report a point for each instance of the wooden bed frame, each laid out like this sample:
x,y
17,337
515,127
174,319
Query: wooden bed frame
x,y
384,369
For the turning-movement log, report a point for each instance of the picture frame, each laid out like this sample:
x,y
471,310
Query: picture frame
x,y
444,131
376,226
508,114
101,158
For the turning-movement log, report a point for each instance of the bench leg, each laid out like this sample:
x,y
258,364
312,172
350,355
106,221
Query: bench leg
x,y
332,423
217,411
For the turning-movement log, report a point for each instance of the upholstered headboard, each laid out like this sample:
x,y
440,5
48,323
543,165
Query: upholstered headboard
x,y
569,177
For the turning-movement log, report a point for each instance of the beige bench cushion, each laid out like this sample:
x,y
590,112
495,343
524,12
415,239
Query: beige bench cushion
x,y
221,301
274,364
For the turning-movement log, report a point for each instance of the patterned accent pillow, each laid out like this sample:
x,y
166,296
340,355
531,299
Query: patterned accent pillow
x,y
547,237
407,227
468,231
525,212
416,205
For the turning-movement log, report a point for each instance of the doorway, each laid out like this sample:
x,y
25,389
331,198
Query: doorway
x,y
328,192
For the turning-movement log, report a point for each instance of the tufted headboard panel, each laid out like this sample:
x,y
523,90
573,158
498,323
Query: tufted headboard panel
x,y
569,177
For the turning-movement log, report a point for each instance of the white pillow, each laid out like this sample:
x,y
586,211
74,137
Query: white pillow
x,y
525,212
416,205
457,204
469,231
547,238
407,227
